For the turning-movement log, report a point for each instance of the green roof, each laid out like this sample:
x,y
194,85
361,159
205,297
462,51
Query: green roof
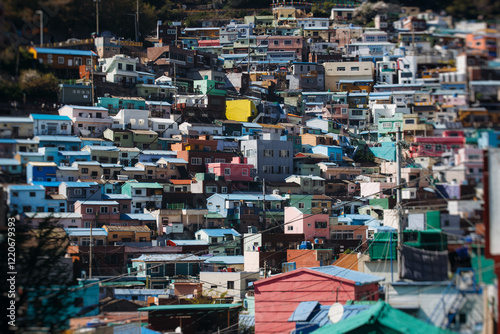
x,y
381,318
189,307
145,185
214,215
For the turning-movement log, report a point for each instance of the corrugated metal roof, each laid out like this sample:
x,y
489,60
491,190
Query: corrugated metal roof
x,y
190,242
139,292
358,277
56,215
74,153
15,120
47,183
80,184
98,202
169,258
303,311
145,185
116,196
158,152
172,160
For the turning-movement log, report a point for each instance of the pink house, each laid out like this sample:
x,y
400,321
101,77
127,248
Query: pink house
x,y
278,296
98,213
472,161
237,170
313,226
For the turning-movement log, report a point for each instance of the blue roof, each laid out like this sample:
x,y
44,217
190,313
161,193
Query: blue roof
x,y
116,196
66,52
235,259
8,141
26,187
303,311
50,117
47,183
83,232
219,232
59,138
136,216
79,184
352,275
9,162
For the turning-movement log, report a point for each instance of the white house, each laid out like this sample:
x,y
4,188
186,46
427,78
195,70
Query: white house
x,y
166,128
120,69
134,119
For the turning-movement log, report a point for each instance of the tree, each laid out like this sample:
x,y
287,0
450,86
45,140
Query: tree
x,y
38,86
44,279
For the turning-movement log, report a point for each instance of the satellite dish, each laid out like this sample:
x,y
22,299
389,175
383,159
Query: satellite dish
x,y
178,330
335,313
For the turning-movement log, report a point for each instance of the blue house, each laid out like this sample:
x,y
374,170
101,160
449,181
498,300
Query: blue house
x,y
11,167
334,153
63,143
250,128
40,171
488,139
33,198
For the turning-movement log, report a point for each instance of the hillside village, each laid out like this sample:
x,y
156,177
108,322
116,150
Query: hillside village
x,y
246,175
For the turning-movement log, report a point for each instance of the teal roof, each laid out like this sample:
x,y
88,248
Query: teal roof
x,y
66,52
145,185
189,307
51,117
381,318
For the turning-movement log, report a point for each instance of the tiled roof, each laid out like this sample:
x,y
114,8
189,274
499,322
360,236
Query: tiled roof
x,y
111,228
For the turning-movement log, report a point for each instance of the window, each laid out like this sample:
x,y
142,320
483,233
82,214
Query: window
x,y
355,68
339,69
15,194
268,153
60,60
85,170
224,190
268,169
208,160
320,224
276,42
32,194
387,125
288,42
284,154
211,189
250,153
244,172
220,160
301,205
409,121
227,171
104,209
196,161
283,170
439,147
89,210
155,269
230,284
77,191
289,228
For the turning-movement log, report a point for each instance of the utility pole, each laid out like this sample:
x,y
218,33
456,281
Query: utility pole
x,y
97,16
398,197
40,12
137,23
90,246
264,202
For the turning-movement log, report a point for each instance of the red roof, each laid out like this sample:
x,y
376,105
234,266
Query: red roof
x,y
181,181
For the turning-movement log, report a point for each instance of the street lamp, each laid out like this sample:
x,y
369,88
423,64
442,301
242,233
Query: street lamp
x,y
135,24
40,12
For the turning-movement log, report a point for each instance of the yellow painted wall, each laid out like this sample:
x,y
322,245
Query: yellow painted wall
x,y
240,110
